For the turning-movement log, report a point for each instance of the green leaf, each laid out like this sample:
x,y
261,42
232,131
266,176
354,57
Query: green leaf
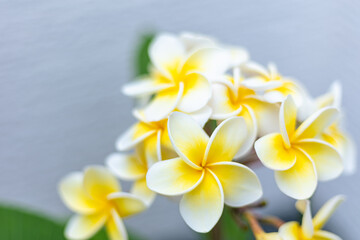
x,y
228,228
142,59
21,224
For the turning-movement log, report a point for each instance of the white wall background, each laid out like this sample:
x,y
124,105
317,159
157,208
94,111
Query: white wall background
x,y
62,64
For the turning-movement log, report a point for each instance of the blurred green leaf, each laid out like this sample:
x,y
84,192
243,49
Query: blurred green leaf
x,y
21,224
229,229
142,58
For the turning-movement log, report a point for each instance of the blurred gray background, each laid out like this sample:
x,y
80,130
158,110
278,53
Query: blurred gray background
x,y
62,64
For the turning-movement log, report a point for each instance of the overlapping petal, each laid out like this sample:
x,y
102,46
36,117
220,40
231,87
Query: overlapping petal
x,y
323,215
144,87
135,134
126,204
125,166
115,227
307,226
84,226
197,92
325,235
240,184
188,138
202,207
300,180
141,190
289,231
273,154
163,103
327,160
166,52
99,182
72,193
173,177
226,141
287,119
316,123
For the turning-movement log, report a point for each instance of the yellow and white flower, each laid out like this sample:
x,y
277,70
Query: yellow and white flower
x,y
274,86
335,133
96,198
310,228
193,42
204,173
133,167
232,98
179,80
297,156
154,136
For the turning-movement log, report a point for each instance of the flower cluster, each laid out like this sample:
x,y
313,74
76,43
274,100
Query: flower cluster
x,y
206,111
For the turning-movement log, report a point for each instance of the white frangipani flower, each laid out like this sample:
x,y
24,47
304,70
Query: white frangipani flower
x,y
179,80
310,228
232,98
274,86
154,135
133,167
96,198
204,173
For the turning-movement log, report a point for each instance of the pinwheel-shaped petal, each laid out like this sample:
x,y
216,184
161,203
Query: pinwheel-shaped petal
x,y
96,198
204,173
297,156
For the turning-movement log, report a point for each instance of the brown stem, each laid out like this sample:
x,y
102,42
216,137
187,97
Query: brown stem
x,y
272,220
215,233
254,224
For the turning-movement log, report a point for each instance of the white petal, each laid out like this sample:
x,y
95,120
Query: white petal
x,y
325,212
72,193
240,184
144,87
202,116
316,123
324,235
126,166
237,55
127,204
307,224
99,182
208,61
188,138
115,227
221,104
287,119
141,190
197,92
255,68
252,130
137,133
274,96
84,226
226,141
202,207
173,177
299,181
273,154
166,51
327,160
260,84
289,231
163,103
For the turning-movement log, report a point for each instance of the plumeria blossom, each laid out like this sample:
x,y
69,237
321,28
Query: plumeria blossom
x,y
204,173
193,42
154,135
232,98
96,197
297,156
274,86
335,133
178,79
133,167
310,228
